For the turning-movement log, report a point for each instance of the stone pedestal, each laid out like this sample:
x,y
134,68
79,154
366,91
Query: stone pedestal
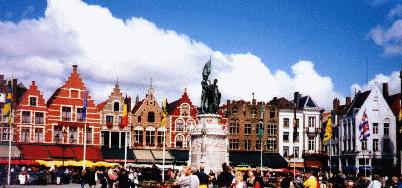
x,y
209,143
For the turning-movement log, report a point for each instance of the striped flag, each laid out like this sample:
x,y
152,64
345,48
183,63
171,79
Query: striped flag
x,y
364,127
164,113
124,116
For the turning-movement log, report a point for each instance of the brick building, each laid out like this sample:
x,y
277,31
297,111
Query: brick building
x,y
65,107
182,117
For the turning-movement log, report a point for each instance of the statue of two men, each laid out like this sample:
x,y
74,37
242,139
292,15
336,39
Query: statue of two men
x,y
210,96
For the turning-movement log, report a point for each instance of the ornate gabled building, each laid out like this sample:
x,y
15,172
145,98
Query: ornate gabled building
x,y
146,116
30,116
65,117
113,132
182,117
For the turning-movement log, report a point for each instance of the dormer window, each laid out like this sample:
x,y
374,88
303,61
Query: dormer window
x,y
184,110
116,106
32,101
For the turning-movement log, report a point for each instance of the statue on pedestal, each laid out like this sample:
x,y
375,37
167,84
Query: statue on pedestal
x,y
210,96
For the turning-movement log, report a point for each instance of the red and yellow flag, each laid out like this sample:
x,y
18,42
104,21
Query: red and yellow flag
x,y
124,116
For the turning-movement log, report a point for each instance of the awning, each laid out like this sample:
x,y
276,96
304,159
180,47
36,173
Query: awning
x,y
59,152
93,153
117,155
349,168
252,158
32,151
312,163
51,152
296,164
19,162
15,152
180,156
143,156
158,155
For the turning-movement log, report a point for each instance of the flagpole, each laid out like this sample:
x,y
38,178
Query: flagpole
x,y
9,145
163,155
125,151
85,146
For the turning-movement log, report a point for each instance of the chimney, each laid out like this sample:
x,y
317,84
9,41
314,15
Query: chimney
x,y
335,104
348,101
227,102
33,83
75,68
296,98
385,92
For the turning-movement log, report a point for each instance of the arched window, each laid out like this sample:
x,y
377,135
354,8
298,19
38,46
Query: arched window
x,y
184,110
190,124
150,136
179,141
179,126
116,106
151,117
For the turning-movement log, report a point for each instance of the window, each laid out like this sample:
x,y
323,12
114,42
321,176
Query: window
x,y
184,110
295,137
109,120
233,144
285,151
375,128
235,110
73,135
286,122
258,128
247,129
247,144
234,128
32,101
5,134
123,137
364,144
179,141
257,144
80,114
253,112
26,117
179,125
74,94
296,123
151,117
386,129
38,135
150,138
311,143
375,144
39,118
138,137
66,113
139,119
386,145
271,144
104,138
25,135
272,129
296,152
286,136
160,140
58,134
89,135
311,121
272,113
116,106
190,125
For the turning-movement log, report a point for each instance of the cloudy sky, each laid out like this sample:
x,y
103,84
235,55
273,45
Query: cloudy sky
x,y
323,49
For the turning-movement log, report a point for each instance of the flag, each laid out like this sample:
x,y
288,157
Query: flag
x,y
261,123
364,127
124,116
6,111
261,131
328,130
164,113
84,106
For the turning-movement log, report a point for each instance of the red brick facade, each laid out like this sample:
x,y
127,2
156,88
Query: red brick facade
x,y
182,115
65,123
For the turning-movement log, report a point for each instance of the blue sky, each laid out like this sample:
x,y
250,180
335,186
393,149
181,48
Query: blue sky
x,y
332,34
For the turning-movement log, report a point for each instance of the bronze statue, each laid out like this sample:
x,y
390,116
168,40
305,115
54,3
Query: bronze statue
x,y
210,96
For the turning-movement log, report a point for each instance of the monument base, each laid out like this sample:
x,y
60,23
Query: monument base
x,y
209,143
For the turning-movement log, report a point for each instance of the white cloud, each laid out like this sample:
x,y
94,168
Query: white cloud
x,y
133,51
393,81
390,39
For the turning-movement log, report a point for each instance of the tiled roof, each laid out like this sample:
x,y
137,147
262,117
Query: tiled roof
x,y
394,102
357,102
171,106
101,105
137,105
53,96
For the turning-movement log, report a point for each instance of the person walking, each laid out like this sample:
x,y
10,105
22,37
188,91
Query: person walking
x,y
376,182
203,177
184,180
311,181
225,178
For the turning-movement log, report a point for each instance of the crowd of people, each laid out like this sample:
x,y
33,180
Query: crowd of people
x,y
191,177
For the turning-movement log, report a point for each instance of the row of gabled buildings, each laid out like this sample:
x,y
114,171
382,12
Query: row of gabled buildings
x,y
289,132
